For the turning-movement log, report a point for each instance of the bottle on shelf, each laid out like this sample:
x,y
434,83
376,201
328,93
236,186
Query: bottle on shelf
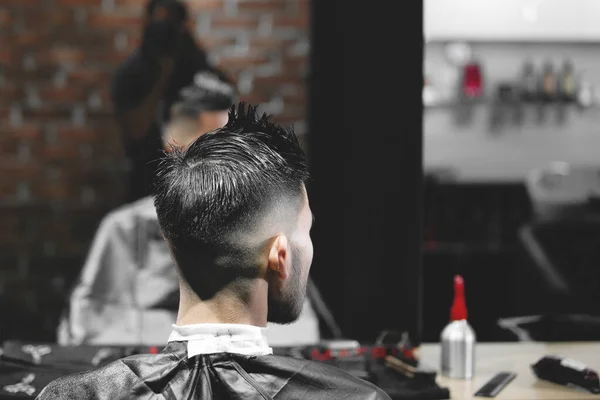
x,y
548,84
586,96
528,82
567,85
472,82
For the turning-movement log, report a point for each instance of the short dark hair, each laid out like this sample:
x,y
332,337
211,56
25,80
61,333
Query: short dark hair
x,y
209,91
219,187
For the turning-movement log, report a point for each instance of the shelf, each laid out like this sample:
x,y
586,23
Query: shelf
x,y
512,20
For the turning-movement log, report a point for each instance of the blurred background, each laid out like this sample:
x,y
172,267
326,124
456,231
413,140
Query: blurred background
x,y
511,146
62,162
511,155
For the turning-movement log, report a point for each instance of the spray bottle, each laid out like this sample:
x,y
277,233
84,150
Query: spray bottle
x,y
458,338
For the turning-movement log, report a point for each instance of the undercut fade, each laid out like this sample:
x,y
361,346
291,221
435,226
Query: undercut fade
x,y
219,188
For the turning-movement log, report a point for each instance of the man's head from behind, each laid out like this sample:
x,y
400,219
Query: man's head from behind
x,y
234,210
201,107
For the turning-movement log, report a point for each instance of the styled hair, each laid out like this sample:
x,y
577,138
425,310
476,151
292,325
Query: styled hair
x,y
209,91
219,189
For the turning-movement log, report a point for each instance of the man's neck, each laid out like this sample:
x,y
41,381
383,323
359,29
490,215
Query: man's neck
x,y
223,308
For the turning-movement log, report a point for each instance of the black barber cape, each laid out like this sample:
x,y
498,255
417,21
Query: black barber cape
x,y
171,375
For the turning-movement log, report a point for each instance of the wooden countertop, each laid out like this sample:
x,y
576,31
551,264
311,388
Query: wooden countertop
x,y
517,357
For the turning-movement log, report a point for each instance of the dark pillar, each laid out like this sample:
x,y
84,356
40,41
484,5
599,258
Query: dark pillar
x,y
365,152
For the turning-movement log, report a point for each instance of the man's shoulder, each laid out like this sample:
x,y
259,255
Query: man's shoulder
x,y
341,377
127,215
323,376
90,384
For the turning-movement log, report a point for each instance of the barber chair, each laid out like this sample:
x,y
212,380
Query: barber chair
x,y
561,286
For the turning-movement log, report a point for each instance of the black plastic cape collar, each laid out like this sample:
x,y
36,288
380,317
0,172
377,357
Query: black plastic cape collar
x,y
171,375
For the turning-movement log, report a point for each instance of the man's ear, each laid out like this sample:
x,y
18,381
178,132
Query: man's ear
x,y
278,256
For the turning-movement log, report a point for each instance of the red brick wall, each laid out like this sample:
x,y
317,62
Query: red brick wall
x,y
61,158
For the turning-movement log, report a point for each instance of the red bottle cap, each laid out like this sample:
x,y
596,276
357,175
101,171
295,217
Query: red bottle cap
x,y
459,307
